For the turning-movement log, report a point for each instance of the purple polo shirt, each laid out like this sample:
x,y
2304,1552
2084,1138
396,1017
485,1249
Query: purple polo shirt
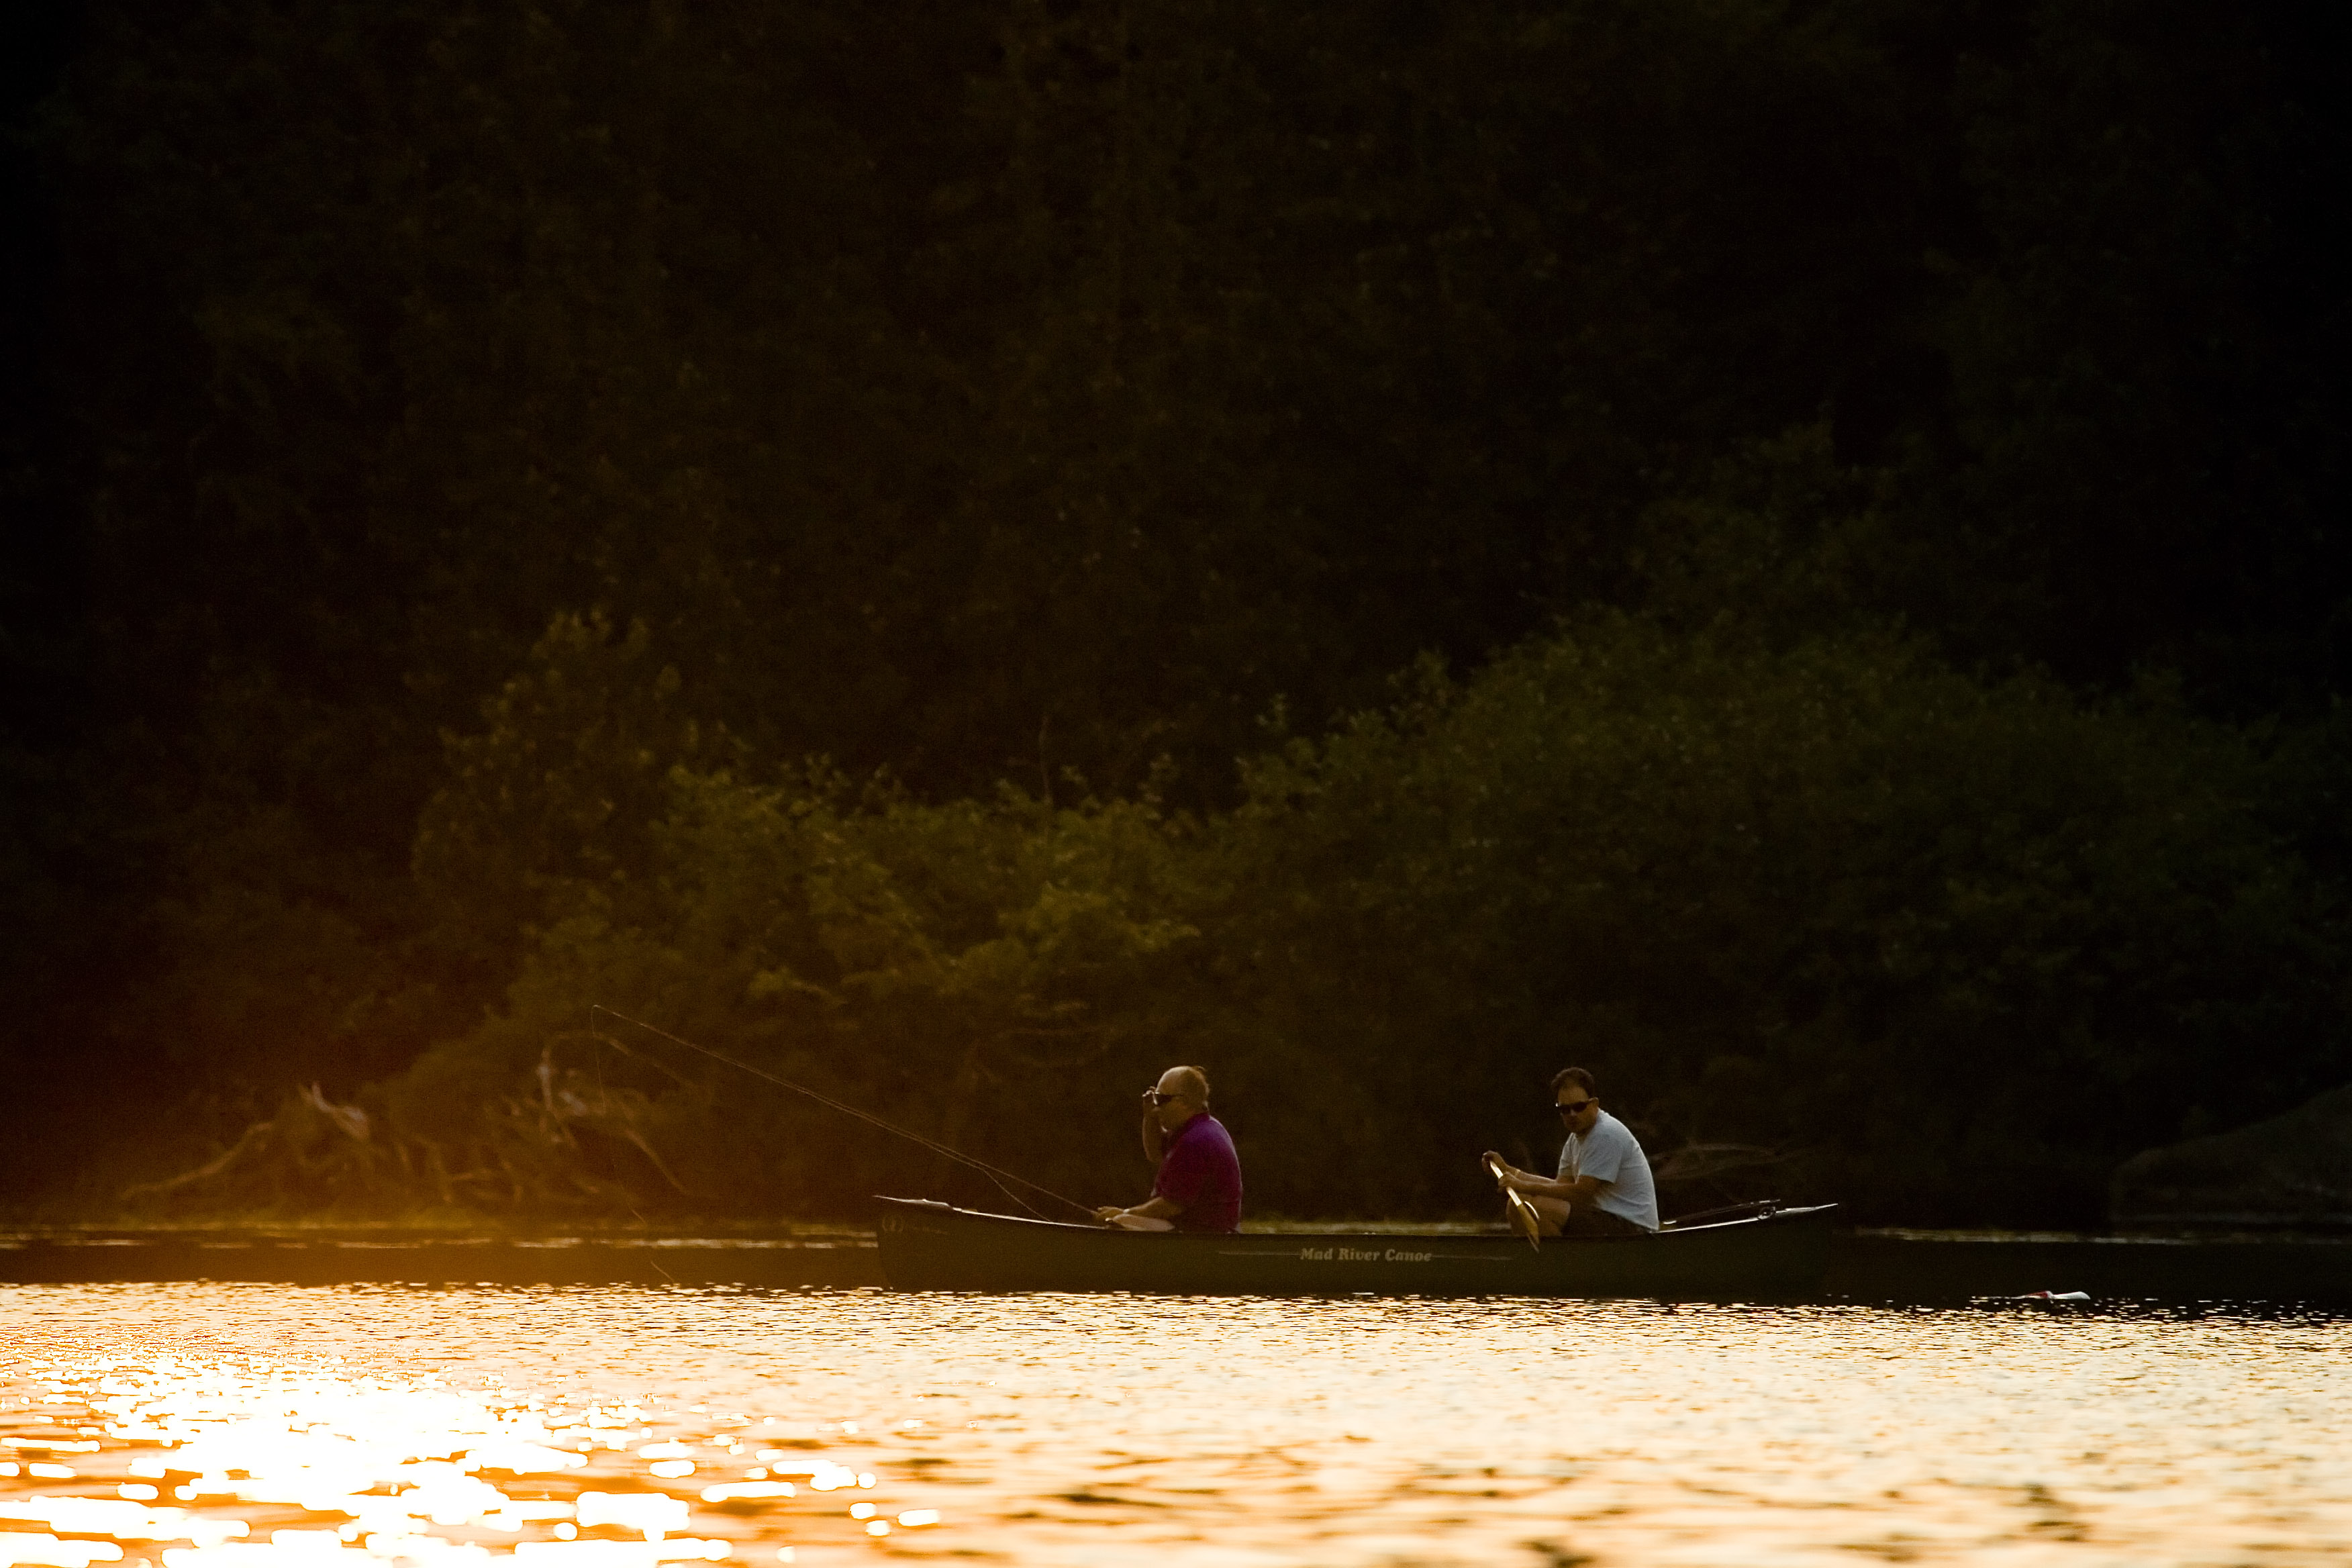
x,y
1200,1170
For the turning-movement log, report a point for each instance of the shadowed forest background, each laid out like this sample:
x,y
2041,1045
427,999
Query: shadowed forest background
x,y
966,550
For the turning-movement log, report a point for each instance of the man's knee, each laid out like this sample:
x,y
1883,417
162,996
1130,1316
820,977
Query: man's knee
x,y
1550,1212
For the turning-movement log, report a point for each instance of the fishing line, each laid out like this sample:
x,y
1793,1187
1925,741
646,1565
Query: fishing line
x,y
996,1174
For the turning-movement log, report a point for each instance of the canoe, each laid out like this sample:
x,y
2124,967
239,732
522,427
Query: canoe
x,y
1763,1252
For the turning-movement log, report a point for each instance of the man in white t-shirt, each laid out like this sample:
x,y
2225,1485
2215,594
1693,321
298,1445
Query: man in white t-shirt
x,y
1603,1187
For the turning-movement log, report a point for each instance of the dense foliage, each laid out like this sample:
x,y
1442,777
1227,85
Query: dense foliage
x,y
1945,947
784,518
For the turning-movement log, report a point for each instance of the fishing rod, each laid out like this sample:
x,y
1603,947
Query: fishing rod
x,y
996,1174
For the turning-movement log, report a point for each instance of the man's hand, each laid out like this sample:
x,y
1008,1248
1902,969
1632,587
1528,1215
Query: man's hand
x,y
1155,1138
1511,1178
1153,1214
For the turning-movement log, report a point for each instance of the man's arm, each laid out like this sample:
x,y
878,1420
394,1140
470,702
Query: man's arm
x,y
1155,1142
1577,1191
1152,1208
1580,1189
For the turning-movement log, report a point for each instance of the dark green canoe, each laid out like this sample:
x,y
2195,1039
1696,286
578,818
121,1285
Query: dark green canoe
x,y
1763,1252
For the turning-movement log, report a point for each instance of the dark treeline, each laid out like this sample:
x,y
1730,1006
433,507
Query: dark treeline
x,y
1794,553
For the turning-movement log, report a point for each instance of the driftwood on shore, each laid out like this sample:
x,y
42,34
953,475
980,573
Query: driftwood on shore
x,y
1705,1162
572,1144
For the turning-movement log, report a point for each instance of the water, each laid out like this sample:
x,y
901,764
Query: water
x,y
266,1426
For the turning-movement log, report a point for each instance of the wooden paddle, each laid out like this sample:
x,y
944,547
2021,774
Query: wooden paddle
x,y
1524,1219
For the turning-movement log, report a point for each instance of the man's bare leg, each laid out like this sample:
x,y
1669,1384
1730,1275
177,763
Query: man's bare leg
x,y
1552,1212
1561,1218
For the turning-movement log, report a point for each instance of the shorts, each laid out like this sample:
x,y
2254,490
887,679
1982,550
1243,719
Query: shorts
x,y
1583,1221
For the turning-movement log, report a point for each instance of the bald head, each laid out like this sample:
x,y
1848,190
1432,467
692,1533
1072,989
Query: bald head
x,y
1192,1083
1183,1094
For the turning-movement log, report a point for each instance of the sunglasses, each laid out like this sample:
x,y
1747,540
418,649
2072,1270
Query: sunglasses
x,y
1570,1108
1158,1098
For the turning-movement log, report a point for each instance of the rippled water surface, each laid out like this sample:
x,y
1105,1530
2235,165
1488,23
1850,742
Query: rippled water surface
x,y
261,1427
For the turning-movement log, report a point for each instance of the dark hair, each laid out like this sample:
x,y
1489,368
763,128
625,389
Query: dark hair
x,y
1578,1076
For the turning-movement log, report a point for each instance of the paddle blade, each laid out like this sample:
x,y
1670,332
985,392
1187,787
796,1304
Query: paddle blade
x,y
1524,1219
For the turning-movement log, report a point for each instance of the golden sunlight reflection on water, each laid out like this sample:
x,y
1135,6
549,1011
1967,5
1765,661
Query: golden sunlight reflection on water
x,y
265,1426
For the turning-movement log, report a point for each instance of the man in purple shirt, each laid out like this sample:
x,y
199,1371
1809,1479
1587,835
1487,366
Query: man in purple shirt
x,y
1199,1182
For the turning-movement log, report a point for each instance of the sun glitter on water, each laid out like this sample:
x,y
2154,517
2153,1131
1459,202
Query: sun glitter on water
x,y
194,1461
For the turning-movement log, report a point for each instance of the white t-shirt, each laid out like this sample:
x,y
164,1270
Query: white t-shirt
x,y
1610,1153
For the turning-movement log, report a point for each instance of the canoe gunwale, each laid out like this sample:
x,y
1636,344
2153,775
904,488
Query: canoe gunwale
x,y
1670,1232
930,1245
